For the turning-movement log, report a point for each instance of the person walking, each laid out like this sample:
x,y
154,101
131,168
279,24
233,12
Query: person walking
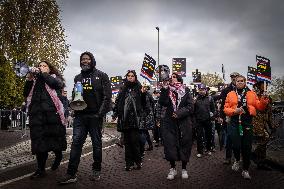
x,y
204,110
176,124
225,122
262,128
147,119
97,96
157,130
46,115
128,109
241,106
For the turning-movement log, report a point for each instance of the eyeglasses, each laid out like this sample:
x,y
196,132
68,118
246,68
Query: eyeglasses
x,y
240,81
130,75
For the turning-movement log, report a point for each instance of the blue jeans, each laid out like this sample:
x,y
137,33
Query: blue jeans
x,y
83,125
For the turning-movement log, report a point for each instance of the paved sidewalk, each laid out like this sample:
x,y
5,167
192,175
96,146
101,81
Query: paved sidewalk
x,y
205,172
16,154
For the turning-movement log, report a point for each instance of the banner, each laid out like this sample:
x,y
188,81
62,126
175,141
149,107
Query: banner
x,y
251,76
148,67
196,76
116,82
162,72
263,69
179,66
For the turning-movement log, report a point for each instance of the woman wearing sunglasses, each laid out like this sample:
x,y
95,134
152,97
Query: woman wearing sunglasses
x,y
176,123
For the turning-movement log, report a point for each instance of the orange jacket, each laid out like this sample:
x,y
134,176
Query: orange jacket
x,y
253,103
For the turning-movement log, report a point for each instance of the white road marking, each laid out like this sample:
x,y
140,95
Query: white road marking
x,y
27,175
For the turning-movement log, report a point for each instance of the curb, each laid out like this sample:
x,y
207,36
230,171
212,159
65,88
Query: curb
x,y
26,168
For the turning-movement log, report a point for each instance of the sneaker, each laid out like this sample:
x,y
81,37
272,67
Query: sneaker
x,y
150,148
38,174
199,155
138,166
227,161
95,176
68,179
184,174
129,168
209,153
172,174
246,175
55,165
236,166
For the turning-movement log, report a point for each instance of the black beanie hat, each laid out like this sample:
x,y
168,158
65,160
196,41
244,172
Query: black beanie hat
x,y
93,60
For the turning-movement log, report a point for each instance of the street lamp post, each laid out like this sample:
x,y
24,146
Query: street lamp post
x,y
158,64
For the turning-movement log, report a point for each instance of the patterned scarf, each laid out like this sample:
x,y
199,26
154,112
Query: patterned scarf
x,y
177,91
56,101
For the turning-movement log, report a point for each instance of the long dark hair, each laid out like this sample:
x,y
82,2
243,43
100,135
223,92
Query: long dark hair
x,y
179,78
53,70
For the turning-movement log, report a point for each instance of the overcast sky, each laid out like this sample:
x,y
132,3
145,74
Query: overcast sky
x,y
207,33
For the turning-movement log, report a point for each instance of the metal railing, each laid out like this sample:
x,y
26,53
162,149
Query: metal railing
x,y
12,120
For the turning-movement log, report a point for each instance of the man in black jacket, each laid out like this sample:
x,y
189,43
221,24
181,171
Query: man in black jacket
x,y
204,110
225,122
97,95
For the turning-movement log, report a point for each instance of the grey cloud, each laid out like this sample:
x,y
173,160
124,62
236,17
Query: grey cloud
x,y
207,33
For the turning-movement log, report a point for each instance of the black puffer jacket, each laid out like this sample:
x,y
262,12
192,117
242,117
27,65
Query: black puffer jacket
x,y
223,97
148,118
176,132
128,106
46,130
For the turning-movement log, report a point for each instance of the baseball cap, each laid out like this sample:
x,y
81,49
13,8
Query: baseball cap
x,y
234,74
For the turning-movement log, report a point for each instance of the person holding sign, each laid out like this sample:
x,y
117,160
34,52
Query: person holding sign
x,y
241,106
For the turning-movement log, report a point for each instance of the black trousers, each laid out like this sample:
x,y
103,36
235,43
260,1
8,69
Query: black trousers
x,y
204,134
242,145
157,134
132,146
148,137
41,158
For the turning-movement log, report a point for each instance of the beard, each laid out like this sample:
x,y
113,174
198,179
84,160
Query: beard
x,y
85,67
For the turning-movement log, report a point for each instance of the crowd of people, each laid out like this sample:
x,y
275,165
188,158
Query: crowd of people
x,y
176,116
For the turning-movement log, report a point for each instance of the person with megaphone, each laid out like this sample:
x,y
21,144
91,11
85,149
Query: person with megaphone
x,y
91,101
46,115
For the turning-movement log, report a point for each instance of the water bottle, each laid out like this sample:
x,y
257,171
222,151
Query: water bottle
x,y
79,87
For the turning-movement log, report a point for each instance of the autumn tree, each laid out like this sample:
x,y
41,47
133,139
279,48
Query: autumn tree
x,y
277,88
211,80
30,31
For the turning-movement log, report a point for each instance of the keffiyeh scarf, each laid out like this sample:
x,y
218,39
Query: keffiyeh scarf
x,y
177,91
56,101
